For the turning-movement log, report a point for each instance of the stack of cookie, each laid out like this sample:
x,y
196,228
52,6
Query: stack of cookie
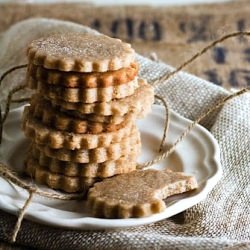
x,y
81,118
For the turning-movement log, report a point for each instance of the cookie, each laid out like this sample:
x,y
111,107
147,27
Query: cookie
x,y
140,103
89,95
114,151
80,52
83,80
57,181
137,194
96,155
52,117
110,119
42,134
125,164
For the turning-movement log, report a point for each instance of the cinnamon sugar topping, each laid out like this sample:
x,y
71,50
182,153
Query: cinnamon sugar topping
x,y
80,52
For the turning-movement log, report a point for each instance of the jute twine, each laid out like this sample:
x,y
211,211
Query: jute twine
x,y
13,177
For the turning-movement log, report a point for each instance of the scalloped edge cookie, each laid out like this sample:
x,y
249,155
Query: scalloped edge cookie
x,y
80,52
57,181
140,103
137,194
83,80
52,117
110,119
89,95
42,134
125,164
96,155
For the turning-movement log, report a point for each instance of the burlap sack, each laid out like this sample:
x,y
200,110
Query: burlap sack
x,y
222,221
172,33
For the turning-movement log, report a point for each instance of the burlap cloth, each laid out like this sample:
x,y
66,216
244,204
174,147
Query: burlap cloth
x,y
170,33
222,221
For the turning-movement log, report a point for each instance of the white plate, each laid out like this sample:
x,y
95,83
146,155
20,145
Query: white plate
x,y
198,155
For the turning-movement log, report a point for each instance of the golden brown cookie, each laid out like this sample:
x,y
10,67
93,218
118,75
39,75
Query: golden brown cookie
x,y
89,95
43,110
96,155
83,80
109,119
57,181
137,194
42,134
125,164
80,52
140,103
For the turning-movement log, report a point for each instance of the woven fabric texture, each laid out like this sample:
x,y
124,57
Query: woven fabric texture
x,y
222,221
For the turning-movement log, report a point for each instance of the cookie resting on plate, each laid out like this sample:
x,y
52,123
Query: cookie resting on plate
x,y
137,194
